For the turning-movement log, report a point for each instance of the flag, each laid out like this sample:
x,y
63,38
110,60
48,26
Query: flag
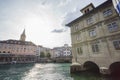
x,y
116,4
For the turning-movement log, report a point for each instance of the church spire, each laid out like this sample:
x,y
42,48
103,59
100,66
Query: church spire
x,y
23,36
24,32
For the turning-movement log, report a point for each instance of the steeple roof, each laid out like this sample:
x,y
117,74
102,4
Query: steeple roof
x,y
23,36
23,32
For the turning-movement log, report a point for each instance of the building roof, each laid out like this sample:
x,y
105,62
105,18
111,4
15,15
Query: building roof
x,y
40,46
103,5
18,42
87,6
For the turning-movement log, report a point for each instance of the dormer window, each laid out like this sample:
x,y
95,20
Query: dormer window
x,y
87,8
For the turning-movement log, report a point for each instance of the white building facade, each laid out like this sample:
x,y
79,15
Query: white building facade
x,y
64,51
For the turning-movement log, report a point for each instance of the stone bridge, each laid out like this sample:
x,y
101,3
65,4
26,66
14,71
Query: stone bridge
x,y
104,65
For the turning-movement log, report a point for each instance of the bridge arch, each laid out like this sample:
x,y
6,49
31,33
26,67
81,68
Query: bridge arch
x,y
91,67
115,69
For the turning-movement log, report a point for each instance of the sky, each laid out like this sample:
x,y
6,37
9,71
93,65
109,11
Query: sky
x,y
43,20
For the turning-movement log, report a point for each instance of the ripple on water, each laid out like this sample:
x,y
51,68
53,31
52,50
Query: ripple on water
x,y
41,72
48,72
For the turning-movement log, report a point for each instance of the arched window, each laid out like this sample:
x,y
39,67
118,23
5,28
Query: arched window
x,y
3,51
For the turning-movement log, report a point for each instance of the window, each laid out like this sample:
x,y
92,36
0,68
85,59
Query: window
x,y
99,24
76,27
79,50
26,43
18,42
85,11
107,12
95,47
90,20
78,37
112,26
116,44
68,52
24,49
5,47
11,41
92,33
88,10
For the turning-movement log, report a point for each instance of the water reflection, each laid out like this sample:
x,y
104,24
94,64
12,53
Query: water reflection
x,y
49,72
14,72
88,76
44,72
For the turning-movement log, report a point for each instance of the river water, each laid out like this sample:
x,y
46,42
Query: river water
x,y
39,71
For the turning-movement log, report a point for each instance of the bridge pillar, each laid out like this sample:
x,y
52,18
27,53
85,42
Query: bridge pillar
x,y
104,71
75,67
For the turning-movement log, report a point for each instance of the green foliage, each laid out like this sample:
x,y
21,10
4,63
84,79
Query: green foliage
x,y
42,54
48,55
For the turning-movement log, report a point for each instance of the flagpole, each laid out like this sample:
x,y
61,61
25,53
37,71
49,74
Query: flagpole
x,y
119,7
116,4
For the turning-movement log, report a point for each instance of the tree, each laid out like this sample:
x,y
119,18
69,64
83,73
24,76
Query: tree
x,y
48,55
42,54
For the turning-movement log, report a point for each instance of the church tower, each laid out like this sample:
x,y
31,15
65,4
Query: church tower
x,y
23,36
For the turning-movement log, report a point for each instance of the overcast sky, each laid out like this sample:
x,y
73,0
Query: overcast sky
x,y
44,20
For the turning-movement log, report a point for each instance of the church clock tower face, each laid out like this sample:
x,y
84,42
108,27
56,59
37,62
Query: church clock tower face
x,y
23,36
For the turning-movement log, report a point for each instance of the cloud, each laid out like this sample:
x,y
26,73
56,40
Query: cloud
x,y
74,10
43,3
59,30
70,17
42,17
64,3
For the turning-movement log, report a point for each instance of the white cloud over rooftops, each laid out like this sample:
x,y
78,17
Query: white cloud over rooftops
x,y
44,20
